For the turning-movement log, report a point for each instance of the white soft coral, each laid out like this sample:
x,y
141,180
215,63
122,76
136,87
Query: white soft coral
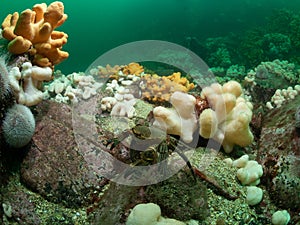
x,y
227,121
27,82
179,120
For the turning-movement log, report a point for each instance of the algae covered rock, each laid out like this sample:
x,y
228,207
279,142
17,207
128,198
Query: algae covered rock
x,y
53,166
279,154
180,197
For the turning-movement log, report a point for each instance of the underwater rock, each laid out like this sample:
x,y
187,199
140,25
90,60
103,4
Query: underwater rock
x,y
180,197
260,94
257,120
53,167
115,204
3,172
279,154
17,205
297,118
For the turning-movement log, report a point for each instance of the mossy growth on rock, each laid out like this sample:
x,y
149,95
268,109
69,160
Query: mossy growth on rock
x,y
180,197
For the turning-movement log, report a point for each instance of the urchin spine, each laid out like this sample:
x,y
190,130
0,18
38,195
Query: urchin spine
x,y
4,79
6,95
18,126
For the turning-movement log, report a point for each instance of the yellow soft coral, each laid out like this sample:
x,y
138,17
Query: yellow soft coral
x,y
176,77
157,88
33,31
133,68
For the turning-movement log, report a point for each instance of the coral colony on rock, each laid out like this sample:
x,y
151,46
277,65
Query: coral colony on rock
x,y
153,154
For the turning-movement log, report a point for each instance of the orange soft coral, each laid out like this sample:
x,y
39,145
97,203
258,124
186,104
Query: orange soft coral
x,y
176,77
33,31
133,68
159,88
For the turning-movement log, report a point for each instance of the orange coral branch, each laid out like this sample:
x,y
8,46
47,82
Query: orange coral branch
x,y
33,31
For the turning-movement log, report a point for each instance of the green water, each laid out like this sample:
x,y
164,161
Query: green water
x,y
95,27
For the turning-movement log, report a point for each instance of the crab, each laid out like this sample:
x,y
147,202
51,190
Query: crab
x,y
150,145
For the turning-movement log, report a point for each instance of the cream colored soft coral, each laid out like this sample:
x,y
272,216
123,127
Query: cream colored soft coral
x,y
149,214
228,119
209,123
26,83
180,119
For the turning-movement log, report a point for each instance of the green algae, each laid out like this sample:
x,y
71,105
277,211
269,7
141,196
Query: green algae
x,y
44,211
